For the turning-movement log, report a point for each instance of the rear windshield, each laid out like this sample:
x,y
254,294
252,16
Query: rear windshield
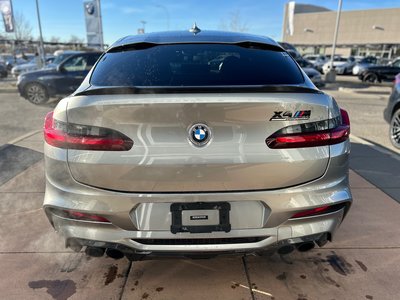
x,y
196,65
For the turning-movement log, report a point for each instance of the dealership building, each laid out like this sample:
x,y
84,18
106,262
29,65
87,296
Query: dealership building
x,y
361,32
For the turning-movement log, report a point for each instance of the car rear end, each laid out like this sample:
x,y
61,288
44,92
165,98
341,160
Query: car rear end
x,y
157,153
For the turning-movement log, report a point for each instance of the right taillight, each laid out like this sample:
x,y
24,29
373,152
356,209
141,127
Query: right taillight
x,y
83,137
320,133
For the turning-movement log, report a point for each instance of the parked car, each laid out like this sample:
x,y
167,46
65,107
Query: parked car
x,y
310,71
392,113
3,70
59,56
32,65
318,61
337,61
157,153
364,63
347,67
376,74
39,86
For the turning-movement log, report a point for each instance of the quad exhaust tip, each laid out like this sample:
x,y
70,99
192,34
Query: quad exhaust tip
x,y
94,251
99,252
114,253
301,247
304,247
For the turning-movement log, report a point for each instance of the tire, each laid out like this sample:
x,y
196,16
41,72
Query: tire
x,y
394,129
371,78
36,93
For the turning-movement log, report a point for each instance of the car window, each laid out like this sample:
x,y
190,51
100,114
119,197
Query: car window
x,y
196,65
76,63
396,63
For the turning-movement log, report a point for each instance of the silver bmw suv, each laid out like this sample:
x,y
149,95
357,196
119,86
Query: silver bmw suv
x,y
196,143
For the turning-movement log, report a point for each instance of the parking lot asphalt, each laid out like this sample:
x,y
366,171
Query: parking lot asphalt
x,y
363,262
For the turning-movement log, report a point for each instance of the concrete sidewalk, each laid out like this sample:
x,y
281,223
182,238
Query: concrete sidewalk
x,y
362,263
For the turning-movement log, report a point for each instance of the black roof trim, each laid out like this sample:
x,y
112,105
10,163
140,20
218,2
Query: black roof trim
x,y
120,90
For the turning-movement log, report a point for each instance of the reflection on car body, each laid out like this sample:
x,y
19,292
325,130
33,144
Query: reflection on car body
x,y
160,153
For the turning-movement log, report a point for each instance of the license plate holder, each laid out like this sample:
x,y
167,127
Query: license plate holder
x,y
222,207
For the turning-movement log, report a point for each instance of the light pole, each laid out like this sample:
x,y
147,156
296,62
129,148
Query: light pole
x,y
143,25
331,75
43,55
100,26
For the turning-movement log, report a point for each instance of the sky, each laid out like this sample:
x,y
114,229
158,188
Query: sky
x,y
63,18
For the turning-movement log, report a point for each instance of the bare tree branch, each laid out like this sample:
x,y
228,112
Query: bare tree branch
x,y
22,27
235,23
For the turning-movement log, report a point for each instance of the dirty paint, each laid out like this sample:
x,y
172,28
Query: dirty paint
x,y
369,297
303,276
362,266
58,289
111,274
145,296
159,289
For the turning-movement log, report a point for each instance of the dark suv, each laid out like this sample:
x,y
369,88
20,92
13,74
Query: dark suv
x,y
392,113
39,86
376,74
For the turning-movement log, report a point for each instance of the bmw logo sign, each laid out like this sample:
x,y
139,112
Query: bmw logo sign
x,y
199,134
90,8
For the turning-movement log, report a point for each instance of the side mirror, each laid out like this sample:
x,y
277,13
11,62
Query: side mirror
x,y
61,69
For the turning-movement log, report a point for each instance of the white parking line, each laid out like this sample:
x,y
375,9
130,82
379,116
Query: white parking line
x,y
381,149
22,137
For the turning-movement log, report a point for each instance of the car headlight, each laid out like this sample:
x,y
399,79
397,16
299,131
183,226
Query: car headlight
x,y
20,78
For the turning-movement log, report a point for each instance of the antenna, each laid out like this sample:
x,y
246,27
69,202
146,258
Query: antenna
x,y
195,29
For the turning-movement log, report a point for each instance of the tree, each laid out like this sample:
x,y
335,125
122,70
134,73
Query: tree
x,y
22,27
235,23
55,39
75,40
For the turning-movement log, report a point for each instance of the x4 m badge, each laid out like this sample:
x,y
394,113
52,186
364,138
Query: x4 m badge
x,y
289,116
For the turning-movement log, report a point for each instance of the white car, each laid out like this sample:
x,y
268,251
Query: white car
x,y
32,65
337,61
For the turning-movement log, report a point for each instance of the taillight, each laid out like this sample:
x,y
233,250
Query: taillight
x,y
320,133
77,215
320,210
83,137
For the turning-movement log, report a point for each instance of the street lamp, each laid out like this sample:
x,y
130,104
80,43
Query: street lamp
x,y
331,75
43,55
143,25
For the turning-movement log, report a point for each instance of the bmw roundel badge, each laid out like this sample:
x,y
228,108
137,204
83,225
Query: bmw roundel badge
x,y
199,134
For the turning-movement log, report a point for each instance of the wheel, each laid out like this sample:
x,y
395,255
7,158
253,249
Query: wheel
x,y
394,130
36,93
371,77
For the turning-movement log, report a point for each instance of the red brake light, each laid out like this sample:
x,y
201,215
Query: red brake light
x,y
84,217
321,133
314,211
320,210
83,137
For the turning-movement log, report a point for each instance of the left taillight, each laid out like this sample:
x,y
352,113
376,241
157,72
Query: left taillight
x,y
83,137
320,133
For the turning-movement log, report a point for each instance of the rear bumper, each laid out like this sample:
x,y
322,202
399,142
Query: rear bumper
x,y
132,215
236,241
